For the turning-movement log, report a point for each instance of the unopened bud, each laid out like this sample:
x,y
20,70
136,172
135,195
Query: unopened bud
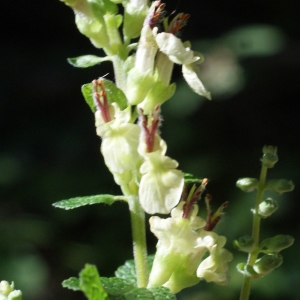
x,y
244,243
278,243
247,184
280,186
267,207
270,157
267,263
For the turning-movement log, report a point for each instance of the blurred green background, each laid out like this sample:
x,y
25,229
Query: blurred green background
x,y
49,149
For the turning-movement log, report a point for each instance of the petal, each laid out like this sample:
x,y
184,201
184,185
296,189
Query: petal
x,y
190,74
172,46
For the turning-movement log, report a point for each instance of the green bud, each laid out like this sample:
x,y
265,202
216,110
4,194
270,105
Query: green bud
x,y
269,150
101,7
267,263
267,207
270,157
133,20
244,243
280,186
247,184
278,243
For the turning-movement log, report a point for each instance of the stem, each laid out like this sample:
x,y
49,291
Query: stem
x,y
245,292
137,216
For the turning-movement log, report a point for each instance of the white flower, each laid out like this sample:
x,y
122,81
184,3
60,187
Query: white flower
x,y
120,141
182,243
178,53
161,184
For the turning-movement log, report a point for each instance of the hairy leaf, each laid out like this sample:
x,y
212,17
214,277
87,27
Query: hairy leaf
x,y
83,201
90,283
86,61
71,283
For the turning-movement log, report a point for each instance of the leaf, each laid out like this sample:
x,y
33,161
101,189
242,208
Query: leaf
x,y
121,289
71,283
127,271
87,200
190,178
86,61
114,94
87,92
90,283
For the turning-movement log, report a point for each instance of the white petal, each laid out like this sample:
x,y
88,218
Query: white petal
x,y
190,74
172,46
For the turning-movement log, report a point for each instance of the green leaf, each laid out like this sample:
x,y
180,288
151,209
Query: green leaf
x,y
87,200
127,271
71,283
90,283
114,94
121,289
87,92
86,61
190,178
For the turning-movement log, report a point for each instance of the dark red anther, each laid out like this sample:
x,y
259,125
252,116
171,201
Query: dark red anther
x,y
100,99
149,131
177,23
155,16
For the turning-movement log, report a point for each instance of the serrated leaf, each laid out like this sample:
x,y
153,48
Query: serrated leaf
x,y
114,94
162,293
71,283
86,61
127,271
190,178
87,92
121,289
90,283
83,201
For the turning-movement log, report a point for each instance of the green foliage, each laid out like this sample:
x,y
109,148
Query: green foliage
x,y
190,178
86,61
128,272
90,283
87,200
122,287
113,94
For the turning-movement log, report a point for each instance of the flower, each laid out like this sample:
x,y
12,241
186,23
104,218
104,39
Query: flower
x,y
161,184
181,53
182,244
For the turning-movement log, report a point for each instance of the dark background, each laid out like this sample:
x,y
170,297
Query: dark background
x,y
49,150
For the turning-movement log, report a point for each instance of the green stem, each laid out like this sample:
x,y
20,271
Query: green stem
x,y
245,292
137,216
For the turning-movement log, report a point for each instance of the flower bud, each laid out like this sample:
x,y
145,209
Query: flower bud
x,y
244,243
280,186
269,160
15,295
247,184
267,207
278,243
269,150
267,263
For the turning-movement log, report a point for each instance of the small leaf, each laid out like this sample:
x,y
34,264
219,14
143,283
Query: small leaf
x,y
87,200
71,283
87,92
127,271
114,94
190,178
86,61
90,283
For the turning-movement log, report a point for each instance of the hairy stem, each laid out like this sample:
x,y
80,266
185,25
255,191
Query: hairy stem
x,y
245,292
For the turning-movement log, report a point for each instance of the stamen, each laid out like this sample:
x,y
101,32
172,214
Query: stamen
x,y
155,15
100,99
177,23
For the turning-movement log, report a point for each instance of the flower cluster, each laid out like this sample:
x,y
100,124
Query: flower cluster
x,y
182,245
